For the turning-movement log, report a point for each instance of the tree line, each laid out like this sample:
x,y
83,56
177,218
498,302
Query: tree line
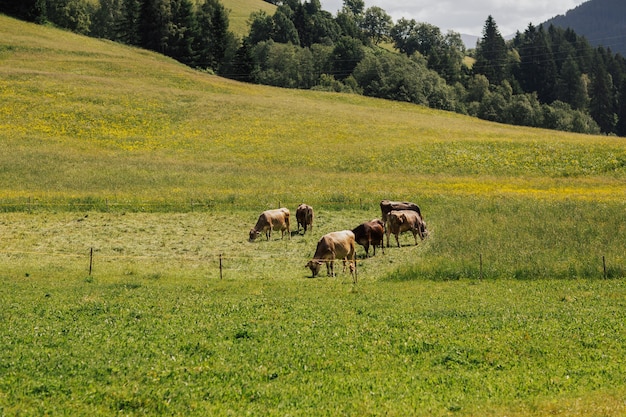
x,y
549,78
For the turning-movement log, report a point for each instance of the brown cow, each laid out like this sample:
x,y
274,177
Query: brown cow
x,y
331,246
269,220
400,221
370,233
386,206
304,216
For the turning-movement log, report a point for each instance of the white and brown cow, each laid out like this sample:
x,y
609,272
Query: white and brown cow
x,y
332,246
304,217
400,221
277,219
370,233
387,206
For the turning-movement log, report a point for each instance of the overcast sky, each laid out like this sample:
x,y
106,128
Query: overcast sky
x,y
466,16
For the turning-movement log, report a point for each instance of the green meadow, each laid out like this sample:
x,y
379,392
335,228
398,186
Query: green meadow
x,y
128,185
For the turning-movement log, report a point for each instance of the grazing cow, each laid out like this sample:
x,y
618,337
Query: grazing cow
x,y
269,220
304,216
370,233
400,221
386,206
331,246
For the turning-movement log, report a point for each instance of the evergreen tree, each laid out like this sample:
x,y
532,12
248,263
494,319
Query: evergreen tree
x,y
537,69
182,31
491,54
601,106
620,128
105,20
570,86
154,27
283,30
29,10
129,22
213,39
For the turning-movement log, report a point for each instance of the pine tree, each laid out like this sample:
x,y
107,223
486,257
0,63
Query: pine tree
x,y
212,35
491,54
537,69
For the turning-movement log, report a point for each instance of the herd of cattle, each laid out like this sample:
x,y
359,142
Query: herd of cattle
x,y
397,217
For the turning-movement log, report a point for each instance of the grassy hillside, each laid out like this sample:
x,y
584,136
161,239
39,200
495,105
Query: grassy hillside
x,y
240,13
83,118
160,171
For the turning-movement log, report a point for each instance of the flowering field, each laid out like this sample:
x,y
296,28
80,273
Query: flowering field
x,y
128,186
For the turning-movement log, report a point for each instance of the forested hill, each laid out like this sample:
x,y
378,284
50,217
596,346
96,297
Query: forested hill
x,y
601,22
546,77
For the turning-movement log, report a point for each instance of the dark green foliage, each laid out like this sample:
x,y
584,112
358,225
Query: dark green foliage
x,y
491,54
599,21
30,10
70,14
212,39
537,70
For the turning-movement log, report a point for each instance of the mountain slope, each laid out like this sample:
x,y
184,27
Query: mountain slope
x,y
602,22
240,11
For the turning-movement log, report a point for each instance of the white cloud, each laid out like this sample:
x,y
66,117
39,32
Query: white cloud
x,y
468,17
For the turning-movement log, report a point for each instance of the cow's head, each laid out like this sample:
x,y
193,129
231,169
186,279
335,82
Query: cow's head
x,y
423,231
253,234
314,265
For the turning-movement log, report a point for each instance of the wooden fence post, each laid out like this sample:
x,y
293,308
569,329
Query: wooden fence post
x,y
221,275
90,260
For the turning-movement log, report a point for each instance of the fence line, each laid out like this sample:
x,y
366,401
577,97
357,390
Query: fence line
x,y
218,259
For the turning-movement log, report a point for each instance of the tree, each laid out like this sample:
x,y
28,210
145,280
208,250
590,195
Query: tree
x,y
491,54
154,25
130,20
74,15
537,69
105,20
30,10
377,24
601,92
620,128
261,27
213,39
571,88
182,31
346,55
283,30
354,7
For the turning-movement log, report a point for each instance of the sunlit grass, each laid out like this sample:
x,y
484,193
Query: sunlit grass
x,y
160,171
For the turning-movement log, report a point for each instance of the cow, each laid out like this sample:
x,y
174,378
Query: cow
x,y
400,221
304,217
331,246
370,233
269,220
386,206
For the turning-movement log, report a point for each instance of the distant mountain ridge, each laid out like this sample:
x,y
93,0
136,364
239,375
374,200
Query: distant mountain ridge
x,y
601,22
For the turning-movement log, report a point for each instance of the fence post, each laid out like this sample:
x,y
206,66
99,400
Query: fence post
x,y
604,266
90,260
221,276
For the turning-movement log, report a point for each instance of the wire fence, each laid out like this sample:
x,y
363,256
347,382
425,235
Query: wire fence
x,y
91,262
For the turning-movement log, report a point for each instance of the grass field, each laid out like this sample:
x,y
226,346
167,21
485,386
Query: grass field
x,y
239,13
515,305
